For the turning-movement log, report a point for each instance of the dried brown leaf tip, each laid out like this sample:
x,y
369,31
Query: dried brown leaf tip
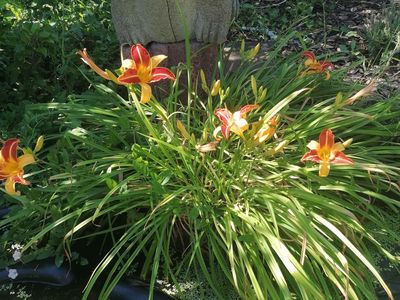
x,y
366,91
211,146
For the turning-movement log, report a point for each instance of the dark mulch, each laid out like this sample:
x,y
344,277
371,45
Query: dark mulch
x,y
340,29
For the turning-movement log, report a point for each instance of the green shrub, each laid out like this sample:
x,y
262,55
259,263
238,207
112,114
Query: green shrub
x,y
38,41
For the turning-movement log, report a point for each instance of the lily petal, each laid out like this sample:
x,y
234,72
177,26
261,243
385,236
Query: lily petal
x,y
113,78
146,93
223,115
215,133
324,168
311,156
129,76
313,145
340,158
20,179
337,147
87,60
247,108
128,64
326,65
327,75
309,55
240,127
9,150
225,130
161,73
309,63
326,139
10,187
156,60
25,159
140,55
241,123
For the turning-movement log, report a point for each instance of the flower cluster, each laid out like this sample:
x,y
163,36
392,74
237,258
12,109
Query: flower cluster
x,y
142,69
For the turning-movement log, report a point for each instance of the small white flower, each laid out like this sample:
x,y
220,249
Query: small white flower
x,y
12,273
16,247
16,255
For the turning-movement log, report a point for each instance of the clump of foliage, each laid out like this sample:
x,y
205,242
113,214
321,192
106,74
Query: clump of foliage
x,y
38,41
383,35
215,184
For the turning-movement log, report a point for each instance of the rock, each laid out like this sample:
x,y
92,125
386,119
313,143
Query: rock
x,y
162,21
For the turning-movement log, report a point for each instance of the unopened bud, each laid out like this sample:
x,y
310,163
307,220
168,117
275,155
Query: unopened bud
x,y
347,143
216,88
254,85
39,144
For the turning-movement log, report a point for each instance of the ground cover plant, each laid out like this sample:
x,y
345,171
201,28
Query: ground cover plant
x,y
267,178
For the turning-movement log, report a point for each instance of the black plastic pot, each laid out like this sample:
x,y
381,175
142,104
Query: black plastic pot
x,y
45,275
41,272
4,211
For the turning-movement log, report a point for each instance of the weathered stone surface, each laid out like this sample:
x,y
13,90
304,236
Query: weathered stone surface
x,y
202,57
162,21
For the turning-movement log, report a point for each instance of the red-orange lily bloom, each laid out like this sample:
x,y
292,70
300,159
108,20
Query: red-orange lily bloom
x,y
235,122
12,167
326,152
315,66
143,69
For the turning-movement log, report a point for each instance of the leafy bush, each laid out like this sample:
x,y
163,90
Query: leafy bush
x,y
38,41
248,210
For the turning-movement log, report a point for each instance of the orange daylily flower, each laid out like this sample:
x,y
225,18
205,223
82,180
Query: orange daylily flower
x,y
12,167
326,152
267,130
314,66
143,69
235,122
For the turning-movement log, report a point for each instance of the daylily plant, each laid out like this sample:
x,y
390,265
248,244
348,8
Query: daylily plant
x,y
235,122
326,152
141,69
12,166
314,66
